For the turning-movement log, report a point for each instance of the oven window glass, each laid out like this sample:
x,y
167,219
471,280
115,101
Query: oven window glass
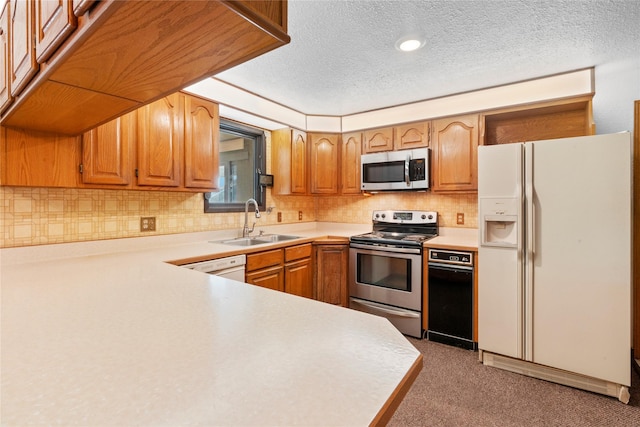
x,y
383,172
384,271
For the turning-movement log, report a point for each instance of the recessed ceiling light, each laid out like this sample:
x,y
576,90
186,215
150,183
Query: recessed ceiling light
x,y
409,44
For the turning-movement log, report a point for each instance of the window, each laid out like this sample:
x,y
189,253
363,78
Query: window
x,y
242,159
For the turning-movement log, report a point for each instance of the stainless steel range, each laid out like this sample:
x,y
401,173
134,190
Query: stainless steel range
x,y
385,267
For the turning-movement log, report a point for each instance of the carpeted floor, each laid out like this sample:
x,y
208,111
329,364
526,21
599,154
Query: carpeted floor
x,y
455,389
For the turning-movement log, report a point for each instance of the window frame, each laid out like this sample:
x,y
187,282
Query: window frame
x,y
260,162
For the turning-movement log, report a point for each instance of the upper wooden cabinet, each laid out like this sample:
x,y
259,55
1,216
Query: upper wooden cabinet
x,y
412,135
55,21
160,142
161,46
455,150
549,120
5,72
35,159
350,169
22,55
289,161
376,140
201,143
323,165
107,152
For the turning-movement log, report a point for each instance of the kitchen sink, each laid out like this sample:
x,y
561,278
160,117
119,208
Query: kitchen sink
x,y
257,240
271,238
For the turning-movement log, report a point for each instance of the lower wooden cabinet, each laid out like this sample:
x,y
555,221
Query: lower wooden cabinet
x,y
271,278
289,270
332,266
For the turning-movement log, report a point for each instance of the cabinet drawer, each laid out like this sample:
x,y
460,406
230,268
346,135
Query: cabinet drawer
x,y
293,253
264,259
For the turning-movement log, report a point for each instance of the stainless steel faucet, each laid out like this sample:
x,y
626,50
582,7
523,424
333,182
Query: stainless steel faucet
x,y
245,229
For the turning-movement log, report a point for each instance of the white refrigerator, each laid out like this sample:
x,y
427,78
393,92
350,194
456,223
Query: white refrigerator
x,y
555,251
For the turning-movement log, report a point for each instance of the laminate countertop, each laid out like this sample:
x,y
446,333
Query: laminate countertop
x,y
110,334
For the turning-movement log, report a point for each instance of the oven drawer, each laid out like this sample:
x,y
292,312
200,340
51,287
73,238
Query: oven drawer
x,y
408,322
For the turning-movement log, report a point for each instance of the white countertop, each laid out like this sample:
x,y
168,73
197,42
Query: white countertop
x,y
123,338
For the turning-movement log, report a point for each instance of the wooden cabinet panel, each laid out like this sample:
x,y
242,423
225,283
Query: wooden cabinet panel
x,y
324,163
332,273
271,278
350,168
55,21
289,161
298,278
293,253
376,140
455,147
264,259
107,152
558,119
81,6
413,135
162,47
23,55
35,159
5,72
202,134
160,140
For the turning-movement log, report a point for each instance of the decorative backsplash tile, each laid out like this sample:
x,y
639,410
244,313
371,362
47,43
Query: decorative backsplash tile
x,y
36,216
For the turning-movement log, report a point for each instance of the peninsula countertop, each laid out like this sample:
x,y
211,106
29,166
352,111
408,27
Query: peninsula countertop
x,y
124,338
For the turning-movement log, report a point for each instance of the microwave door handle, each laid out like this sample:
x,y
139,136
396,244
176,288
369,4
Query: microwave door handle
x,y
406,171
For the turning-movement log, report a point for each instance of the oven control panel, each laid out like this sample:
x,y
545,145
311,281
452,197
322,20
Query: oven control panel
x,y
451,257
405,217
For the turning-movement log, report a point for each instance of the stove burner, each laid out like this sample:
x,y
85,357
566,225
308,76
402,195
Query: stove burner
x,y
412,228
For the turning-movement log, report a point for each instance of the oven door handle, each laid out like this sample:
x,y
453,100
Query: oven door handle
x,y
385,248
386,309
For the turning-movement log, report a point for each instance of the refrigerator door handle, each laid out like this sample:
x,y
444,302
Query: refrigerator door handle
x,y
527,300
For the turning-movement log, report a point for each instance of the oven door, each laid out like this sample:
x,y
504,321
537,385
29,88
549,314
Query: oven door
x,y
386,275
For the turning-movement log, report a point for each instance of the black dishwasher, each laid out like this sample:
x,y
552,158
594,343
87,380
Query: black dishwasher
x,y
450,298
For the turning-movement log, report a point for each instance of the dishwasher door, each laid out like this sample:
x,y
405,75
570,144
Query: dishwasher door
x,y
229,268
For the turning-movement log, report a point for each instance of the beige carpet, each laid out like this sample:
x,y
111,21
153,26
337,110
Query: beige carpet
x,y
454,389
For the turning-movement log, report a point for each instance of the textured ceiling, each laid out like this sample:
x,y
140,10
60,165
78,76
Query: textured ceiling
x,y
342,59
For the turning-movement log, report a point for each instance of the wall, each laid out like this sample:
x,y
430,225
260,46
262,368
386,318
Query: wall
x,y
37,216
617,87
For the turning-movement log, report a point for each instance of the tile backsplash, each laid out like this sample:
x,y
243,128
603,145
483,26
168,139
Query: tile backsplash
x,y
36,216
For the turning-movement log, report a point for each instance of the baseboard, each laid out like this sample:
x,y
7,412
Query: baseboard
x,y
556,375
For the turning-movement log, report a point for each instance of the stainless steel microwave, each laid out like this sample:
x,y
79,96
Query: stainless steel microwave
x,y
395,170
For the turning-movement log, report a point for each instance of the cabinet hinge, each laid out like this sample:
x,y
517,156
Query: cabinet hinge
x,y
136,172
81,168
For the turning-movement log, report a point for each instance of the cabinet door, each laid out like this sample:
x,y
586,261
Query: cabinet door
x,y
298,278
413,135
23,55
271,278
55,21
36,159
5,73
160,139
289,161
202,134
455,147
298,162
350,168
106,152
324,163
376,140
331,274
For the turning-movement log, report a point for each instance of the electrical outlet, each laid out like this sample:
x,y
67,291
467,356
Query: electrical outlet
x,y
279,216
460,218
148,223
299,215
